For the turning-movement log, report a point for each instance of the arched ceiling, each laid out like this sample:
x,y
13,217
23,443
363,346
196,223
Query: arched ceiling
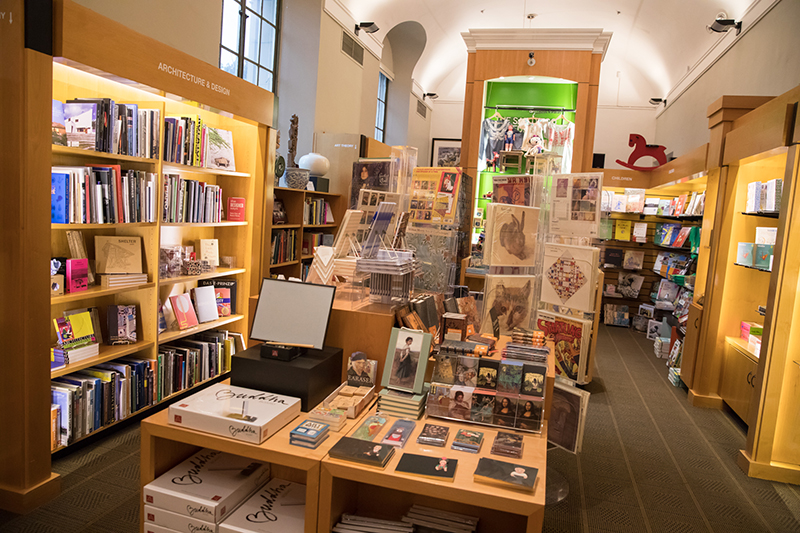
x,y
654,43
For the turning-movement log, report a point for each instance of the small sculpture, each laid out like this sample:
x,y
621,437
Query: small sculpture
x,y
643,150
293,141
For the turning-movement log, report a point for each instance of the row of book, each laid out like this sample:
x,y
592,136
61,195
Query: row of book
x,y
87,400
103,125
101,194
764,197
284,247
674,235
625,259
311,241
317,211
636,201
187,141
191,201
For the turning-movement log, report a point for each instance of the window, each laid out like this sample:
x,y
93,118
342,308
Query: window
x,y
380,116
249,40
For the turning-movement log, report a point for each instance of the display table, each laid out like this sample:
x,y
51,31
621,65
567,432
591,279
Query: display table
x,y
347,487
165,445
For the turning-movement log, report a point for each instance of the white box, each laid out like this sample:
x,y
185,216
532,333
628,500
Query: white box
x,y
277,507
152,528
766,235
241,414
206,486
177,522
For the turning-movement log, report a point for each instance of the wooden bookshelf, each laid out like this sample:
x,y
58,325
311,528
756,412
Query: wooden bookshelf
x,y
221,272
171,336
96,292
87,65
223,224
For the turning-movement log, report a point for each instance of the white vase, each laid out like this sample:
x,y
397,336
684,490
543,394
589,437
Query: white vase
x,y
316,164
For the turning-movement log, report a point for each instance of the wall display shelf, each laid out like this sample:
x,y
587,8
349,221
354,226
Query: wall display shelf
x,y
86,65
170,336
220,272
753,267
767,214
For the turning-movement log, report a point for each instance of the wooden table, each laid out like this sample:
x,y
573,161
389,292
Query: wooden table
x,y
165,445
347,487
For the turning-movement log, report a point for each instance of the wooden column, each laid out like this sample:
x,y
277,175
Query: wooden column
x,y
25,93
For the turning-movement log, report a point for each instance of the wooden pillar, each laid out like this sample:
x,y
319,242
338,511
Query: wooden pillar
x,y
25,114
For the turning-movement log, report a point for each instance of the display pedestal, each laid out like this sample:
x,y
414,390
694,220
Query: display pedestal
x,y
311,377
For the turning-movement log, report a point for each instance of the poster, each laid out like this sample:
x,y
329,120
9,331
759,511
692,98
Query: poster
x,y
434,195
575,204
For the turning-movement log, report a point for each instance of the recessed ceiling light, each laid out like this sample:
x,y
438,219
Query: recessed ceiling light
x,y
502,77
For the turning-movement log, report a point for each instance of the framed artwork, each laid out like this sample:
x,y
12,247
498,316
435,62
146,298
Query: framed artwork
x,y
446,153
406,360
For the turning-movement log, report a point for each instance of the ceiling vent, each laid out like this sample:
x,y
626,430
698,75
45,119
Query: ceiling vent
x,y
421,108
352,48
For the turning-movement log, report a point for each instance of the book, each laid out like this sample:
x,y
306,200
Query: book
x,y
207,486
433,435
236,209
504,473
121,324
370,427
533,379
766,235
629,285
616,315
399,433
613,257
309,430
361,451
651,206
235,412
184,310
509,376
208,250
622,230
487,373
441,468
222,283
570,338
59,198
219,149
744,253
569,276
118,254
77,278
680,239
278,506
223,299
80,121
633,260
467,440
640,232
205,302
507,444
172,521
762,256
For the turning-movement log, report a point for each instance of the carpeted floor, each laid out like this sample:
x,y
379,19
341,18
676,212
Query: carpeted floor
x,y
650,463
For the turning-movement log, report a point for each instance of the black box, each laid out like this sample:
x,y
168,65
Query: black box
x,y
320,184
311,377
281,352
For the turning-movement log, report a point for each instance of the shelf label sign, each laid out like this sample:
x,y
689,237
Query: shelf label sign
x,y
169,69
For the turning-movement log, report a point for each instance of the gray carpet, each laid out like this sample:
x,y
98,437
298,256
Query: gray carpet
x,y
650,463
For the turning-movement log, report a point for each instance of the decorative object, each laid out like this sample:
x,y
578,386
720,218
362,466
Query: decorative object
x,y
293,141
642,149
280,162
316,164
446,153
297,178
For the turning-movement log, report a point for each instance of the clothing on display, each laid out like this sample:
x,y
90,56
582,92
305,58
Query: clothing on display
x,y
561,143
492,137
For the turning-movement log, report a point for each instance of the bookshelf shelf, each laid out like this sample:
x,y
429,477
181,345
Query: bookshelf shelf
x,y
307,256
286,226
220,273
320,193
104,226
287,263
170,336
147,409
319,225
743,346
765,214
753,268
107,353
223,224
176,167
682,248
289,189
79,152
96,292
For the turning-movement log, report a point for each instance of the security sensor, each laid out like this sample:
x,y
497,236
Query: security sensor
x,y
656,101
432,96
369,27
531,60
722,24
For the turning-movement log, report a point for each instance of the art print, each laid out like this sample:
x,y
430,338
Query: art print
x,y
508,301
578,211
446,153
373,175
460,402
407,360
512,234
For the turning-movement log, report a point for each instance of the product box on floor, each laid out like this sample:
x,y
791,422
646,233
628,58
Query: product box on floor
x,y
176,522
207,486
277,507
153,528
235,412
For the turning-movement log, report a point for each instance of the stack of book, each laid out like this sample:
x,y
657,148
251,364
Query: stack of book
x,y
121,281
468,440
220,483
359,524
507,444
362,451
429,519
433,435
284,247
311,241
191,201
335,418
186,362
675,376
527,336
309,434
526,352
76,340
402,404
661,347
501,473
280,505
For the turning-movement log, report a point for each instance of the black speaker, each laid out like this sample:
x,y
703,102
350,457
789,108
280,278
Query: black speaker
x,y
598,160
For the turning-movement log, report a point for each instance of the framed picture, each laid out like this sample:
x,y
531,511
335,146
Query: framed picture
x,y
406,360
446,153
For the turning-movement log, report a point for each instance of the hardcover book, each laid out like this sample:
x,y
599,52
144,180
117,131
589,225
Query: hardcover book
x,y
223,283
219,149
569,338
613,258
533,378
223,298
184,310
207,486
208,251
482,409
118,254
236,209
361,451
205,303
494,471
744,253
433,467
121,324
762,256
309,430
633,260
399,433
277,507
77,275
433,435
235,412
622,230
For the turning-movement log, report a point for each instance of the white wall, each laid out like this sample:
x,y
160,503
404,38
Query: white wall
x,y
347,93
419,132
613,128
191,26
763,62
447,119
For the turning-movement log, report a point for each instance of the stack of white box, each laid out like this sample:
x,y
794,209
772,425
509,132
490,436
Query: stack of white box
x,y
200,492
661,347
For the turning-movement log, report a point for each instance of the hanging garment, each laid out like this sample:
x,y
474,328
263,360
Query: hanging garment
x,y
519,135
532,128
492,138
561,136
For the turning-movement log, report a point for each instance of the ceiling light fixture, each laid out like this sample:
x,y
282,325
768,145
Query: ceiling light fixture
x,y
531,60
722,24
657,101
369,27
432,96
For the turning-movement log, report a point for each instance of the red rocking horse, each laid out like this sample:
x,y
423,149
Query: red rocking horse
x,y
643,150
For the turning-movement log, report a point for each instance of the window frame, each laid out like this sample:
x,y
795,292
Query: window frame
x,y
382,127
240,56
